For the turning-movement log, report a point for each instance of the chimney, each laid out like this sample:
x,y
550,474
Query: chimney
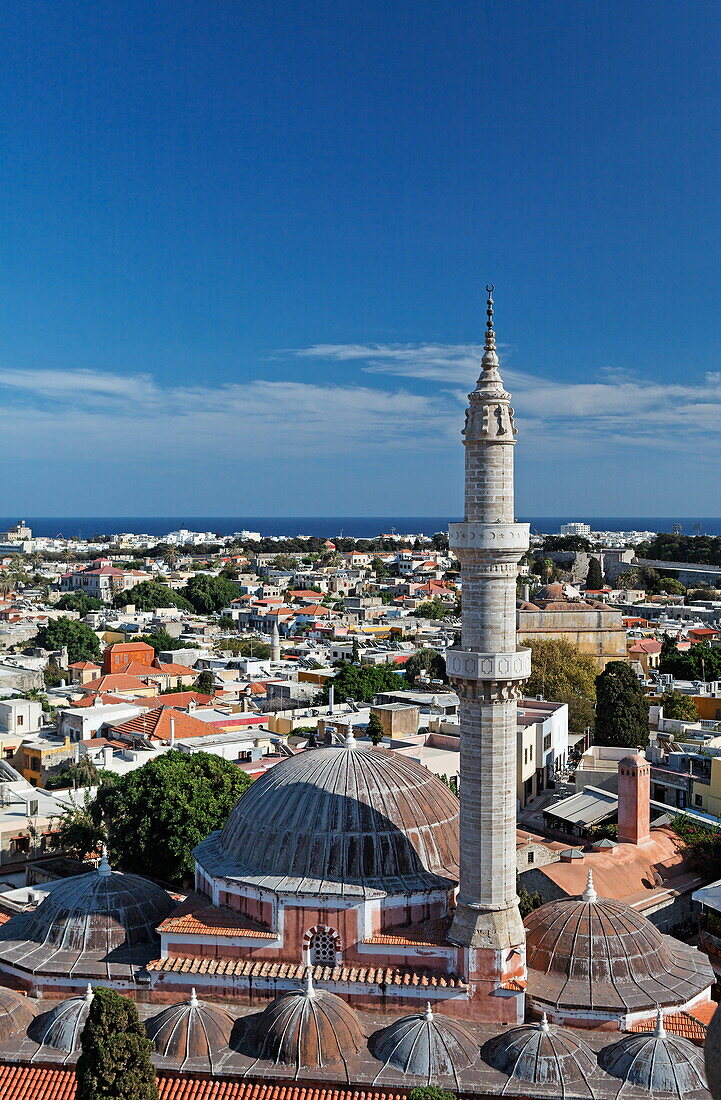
x,y
172,731
634,799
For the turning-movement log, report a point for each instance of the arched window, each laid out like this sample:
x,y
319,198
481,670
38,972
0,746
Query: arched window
x,y
322,948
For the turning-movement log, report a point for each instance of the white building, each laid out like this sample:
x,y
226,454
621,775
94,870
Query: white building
x,y
582,529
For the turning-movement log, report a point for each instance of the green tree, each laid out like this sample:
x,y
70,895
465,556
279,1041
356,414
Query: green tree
x,y
210,594
73,774
594,577
53,675
561,673
362,683
701,662
79,601
375,730
149,595
621,710
158,813
528,901
432,609
114,1062
671,586
430,1092
160,640
205,682
700,845
79,831
426,660
677,705
82,642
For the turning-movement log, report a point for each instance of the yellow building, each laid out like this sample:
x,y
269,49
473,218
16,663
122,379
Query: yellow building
x,y
594,628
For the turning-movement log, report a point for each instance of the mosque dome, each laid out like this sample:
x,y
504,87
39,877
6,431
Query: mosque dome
x,y
16,1013
62,1025
599,954
426,1045
308,1028
97,925
192,1033
348,820
543,1054
657,1061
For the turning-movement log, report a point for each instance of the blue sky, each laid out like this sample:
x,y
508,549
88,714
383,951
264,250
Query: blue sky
x,y
244,245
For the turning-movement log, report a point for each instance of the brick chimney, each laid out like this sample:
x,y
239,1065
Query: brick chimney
x,y
634,799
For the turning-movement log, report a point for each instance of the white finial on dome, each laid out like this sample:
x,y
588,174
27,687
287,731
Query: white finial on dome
x,y
659,1030
589,894
544,1025
193,1002
309,988
428,1014
88,993
104,867
350,741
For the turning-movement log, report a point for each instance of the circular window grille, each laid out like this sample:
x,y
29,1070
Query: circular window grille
x,y
322,949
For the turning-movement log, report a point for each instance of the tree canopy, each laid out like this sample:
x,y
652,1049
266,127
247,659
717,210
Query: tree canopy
x,y
208,595
361,683
677,705
82,642
700,844
621,710
699,549
594,576
561,673
79,601
149,595
114,1062
158,813
701,662
433,609
426,660
160,640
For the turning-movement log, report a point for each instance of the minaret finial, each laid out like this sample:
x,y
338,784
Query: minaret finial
x,y
490,357
660,1030
589,894
104,868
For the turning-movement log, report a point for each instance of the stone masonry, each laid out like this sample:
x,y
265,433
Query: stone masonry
x,y
487,672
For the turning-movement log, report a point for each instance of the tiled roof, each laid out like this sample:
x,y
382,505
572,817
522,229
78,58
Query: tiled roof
x,y
115,682
419,935
679,1023
156,723
363,975
194,917
47,1083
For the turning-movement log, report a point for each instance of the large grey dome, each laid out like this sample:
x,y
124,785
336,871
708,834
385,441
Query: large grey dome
x,y
544,1055
341,820
192,1034
659,1062
308,1028
101,924
426,1045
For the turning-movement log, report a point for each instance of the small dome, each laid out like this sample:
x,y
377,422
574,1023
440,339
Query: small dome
x,y
16,1014
426,1045
99,911
308,1028
543,1054
657,1061
347,819
62,1026
591,952
191,1033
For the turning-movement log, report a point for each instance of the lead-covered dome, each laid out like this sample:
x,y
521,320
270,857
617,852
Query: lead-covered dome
x,y
425,1045
192,1034
62,1026
342,820
596,953
657,1062
101,924
544,1055
308,1028
16,1014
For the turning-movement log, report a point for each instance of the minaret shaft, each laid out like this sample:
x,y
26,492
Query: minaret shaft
x,y
488,671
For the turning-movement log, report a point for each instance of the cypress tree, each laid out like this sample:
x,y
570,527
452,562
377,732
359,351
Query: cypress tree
x,y
621,710
114,1063
594,577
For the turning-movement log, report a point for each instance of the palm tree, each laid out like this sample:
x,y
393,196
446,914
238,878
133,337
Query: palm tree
x,y
170,556
6,584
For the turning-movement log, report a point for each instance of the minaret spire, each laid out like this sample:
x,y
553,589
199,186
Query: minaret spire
x,y
487,670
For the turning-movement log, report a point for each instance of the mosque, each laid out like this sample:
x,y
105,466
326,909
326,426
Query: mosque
x,y
354,923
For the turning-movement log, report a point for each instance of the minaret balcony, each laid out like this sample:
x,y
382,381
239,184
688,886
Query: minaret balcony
x,y
476,535
467,665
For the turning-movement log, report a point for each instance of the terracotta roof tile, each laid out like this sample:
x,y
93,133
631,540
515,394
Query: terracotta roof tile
x,y
680,1023
247,968
195,917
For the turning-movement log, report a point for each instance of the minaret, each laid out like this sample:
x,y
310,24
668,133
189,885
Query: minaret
x,y
488,671
275,643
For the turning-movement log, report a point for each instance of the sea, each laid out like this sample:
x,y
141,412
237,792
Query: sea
x,y
87,527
